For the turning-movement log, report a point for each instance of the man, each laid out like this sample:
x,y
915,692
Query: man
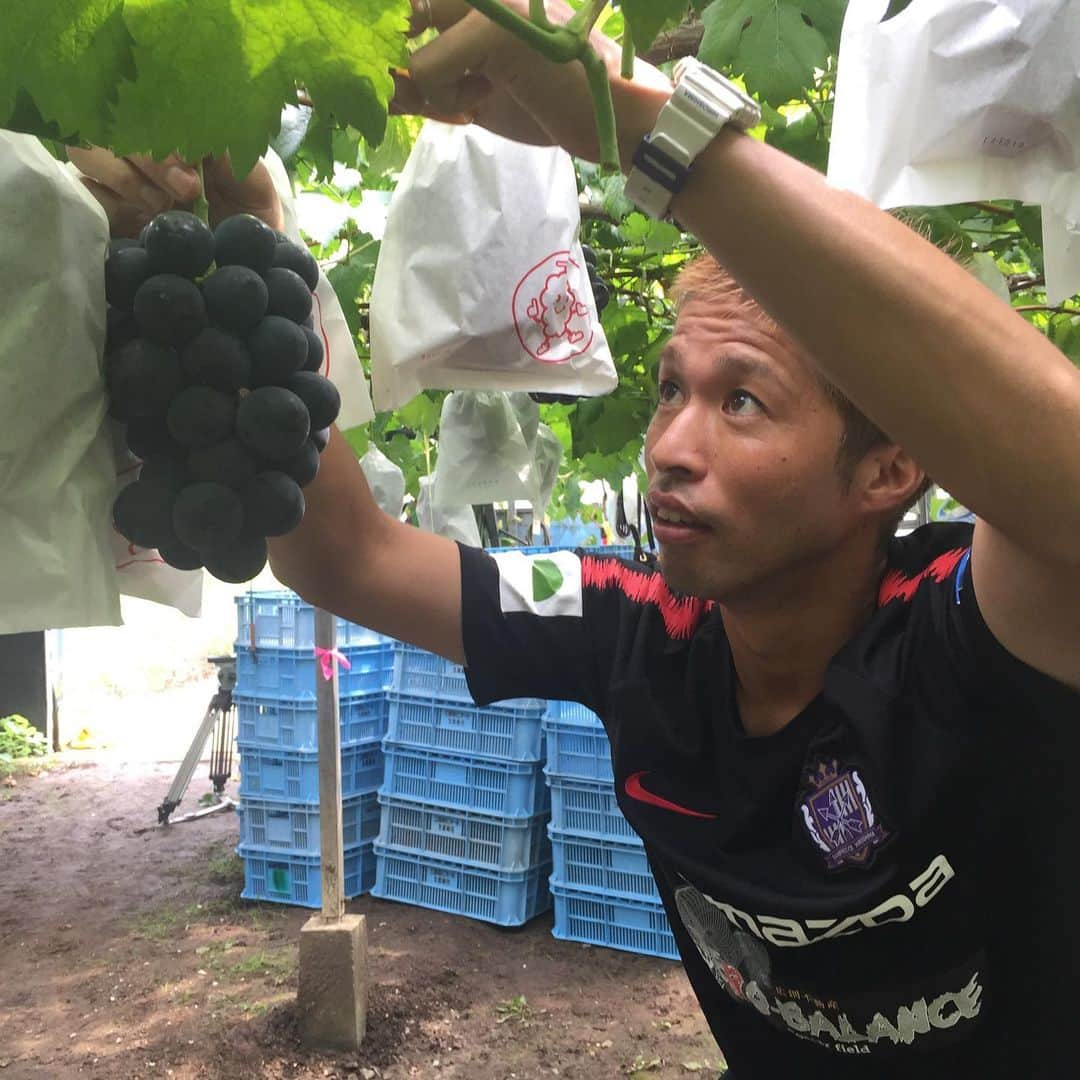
x,y
849,765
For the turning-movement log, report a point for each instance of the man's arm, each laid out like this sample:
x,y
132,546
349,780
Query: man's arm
x,y
350,558
981,399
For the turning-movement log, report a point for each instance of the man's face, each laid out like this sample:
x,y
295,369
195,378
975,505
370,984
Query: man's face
x,y
743,449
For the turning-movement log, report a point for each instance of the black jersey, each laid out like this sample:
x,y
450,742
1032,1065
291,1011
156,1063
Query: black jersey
x,y
886,887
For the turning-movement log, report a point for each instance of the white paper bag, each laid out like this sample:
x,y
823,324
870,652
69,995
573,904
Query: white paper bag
x,y
341,364
547,458
481,283
386,480
454,522
56,474
960,100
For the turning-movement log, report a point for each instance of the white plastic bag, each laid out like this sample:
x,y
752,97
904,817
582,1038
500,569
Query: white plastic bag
x,y
386,480
56,472
959,100
547,458
481,283
454,522
483,455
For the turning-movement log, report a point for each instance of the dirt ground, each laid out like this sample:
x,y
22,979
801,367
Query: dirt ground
x,y
125,952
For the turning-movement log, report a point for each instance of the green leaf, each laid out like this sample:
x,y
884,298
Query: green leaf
x,y
68,55
421,414
777,45
646,18
547,579
607,425
214,74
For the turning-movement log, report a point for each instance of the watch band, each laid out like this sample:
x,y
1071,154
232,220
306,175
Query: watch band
x,y
702,104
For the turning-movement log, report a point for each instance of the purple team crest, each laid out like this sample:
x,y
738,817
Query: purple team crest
x,y
839,817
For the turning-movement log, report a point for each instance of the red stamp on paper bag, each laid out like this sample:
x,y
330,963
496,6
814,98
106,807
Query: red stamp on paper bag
x,y
552,320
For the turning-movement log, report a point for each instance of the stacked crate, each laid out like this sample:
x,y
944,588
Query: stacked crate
x,y
603,888
464,803
277,729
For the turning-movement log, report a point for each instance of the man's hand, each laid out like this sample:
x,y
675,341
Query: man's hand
x,y
475,70
133,190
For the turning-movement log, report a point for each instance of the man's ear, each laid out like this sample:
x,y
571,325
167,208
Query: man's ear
x,y
887,479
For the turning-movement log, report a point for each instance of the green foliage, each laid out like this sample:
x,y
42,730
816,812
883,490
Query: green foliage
x,y
197,76
20,739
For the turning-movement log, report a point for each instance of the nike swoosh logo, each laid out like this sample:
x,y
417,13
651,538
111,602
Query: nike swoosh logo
x,y
635,790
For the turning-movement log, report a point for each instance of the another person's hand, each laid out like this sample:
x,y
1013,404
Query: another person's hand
x,y
475,70
133,190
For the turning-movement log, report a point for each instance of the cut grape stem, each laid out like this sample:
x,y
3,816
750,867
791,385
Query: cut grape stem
x,y
201,207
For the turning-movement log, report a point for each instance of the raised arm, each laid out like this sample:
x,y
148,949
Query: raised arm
x,y
980,398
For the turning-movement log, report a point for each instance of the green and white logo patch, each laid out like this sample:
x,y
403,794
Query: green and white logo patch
x,y
540,584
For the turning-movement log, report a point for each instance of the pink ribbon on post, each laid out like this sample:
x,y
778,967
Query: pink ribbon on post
x,y
327,658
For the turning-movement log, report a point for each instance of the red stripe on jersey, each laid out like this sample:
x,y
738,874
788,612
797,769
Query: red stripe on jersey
x,y
895,584
681,613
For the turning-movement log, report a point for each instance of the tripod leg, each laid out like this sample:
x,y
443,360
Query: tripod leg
x,y
190,762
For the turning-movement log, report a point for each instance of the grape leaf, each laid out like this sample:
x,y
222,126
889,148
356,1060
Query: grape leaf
x,y
776,44
213,75
646,18
68,56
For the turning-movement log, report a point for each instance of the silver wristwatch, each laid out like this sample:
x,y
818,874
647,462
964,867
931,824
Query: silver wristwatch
x,y
703,103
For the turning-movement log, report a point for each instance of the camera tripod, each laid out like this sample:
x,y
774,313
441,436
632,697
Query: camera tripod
x,y
219,726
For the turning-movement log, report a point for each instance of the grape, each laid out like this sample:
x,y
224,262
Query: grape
x,y
244,240
589,255
170,474
315,351
180,556
216,359
201,416
149,438
177,242
229,463
236,298
119,244
243,560
293,257
278,349
273,421
169,309
302,467
320,439
141,240
289,296
555,399
273,504
601,293
142,514
319,395
207,517
141,378
120,328
125,271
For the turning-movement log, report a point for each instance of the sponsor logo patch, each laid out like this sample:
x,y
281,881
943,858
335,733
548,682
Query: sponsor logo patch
x,y
839,817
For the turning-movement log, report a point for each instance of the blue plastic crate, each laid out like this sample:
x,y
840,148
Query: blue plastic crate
x,y
577,749
293,775
590,865
507,899
490,843
615,551
588,808
501,731
294,827
502,788
297,879
572,712
294,674
283,621
293,725
629,925
419,672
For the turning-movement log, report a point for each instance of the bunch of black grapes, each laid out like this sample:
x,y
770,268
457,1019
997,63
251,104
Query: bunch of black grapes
x,y
602,297
212,364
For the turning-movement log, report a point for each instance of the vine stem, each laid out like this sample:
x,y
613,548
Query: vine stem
x,y
583,22
200,207
557,43
629,54
597,74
